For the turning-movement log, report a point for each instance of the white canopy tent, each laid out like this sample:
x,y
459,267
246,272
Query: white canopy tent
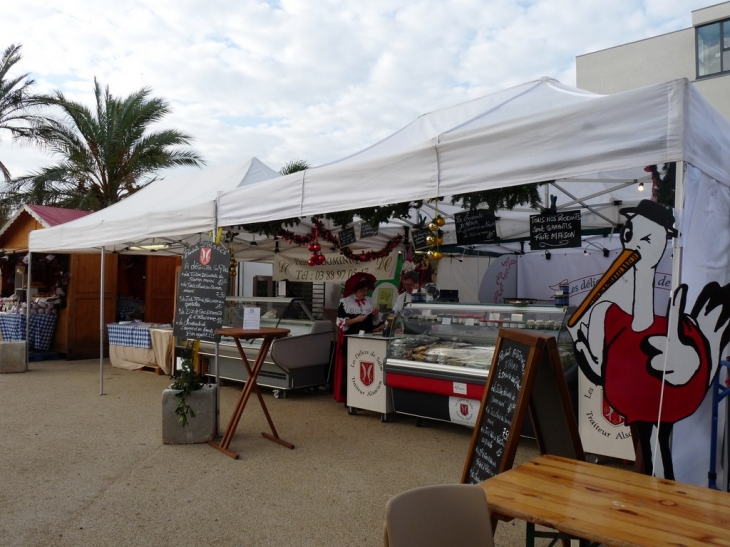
x,y
540,131
543,131
166,215
535,132
163,217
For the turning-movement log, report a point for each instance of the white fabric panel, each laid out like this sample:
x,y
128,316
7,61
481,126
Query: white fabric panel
x,y
535,135
273,199
706,231
631,129
175,208
333,188
515,102
122,232
707,138
463,274
540,278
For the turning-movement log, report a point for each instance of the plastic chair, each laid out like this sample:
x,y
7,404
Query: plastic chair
x,y
439,516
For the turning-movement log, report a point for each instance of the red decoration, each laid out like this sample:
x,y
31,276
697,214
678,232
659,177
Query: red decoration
x,y
312,242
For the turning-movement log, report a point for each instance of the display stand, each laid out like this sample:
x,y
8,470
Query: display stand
x,y
268,335
366,387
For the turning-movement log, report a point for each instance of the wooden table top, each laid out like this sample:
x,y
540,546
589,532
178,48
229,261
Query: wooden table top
x,y
610,506
245,334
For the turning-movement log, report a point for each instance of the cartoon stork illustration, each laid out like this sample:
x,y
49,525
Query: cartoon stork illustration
x,y
654,370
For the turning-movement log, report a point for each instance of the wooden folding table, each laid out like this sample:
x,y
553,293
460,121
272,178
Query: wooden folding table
x,y
268,335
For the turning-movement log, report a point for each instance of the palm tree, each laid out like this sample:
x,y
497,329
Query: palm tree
x,y
104,155
17,103
294,166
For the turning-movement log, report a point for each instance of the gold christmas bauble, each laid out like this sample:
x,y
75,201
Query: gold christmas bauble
x,y
437,255
439,240
433,227
430,240
440,221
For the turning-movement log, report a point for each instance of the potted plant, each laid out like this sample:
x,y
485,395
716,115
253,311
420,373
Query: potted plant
x,y
188,405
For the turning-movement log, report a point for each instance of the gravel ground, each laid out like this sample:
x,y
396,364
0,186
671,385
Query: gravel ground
x,y
84,469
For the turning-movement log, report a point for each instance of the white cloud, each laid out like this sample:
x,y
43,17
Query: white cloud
x,y
312,80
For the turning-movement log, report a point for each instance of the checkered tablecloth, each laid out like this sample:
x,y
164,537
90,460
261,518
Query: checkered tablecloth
x,y
42,325
132,335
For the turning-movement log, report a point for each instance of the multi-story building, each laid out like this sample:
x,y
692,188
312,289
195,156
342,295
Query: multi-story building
x,y
700,53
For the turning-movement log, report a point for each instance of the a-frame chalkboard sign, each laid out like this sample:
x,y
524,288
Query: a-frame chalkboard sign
x,y
526,374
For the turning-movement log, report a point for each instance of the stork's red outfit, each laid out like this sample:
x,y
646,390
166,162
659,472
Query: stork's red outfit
x,y
631,389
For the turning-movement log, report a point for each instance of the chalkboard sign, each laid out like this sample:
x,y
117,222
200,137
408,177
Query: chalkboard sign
x,y
555,230
202,289
347,236
367,230
419,238
511,390
478,226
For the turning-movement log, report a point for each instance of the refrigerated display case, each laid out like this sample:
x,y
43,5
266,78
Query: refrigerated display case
x,y
438,367
301,360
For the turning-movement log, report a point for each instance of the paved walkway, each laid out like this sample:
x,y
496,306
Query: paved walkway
x,y
80,469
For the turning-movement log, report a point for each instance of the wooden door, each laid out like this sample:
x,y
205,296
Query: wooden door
x,y
83,304
159,299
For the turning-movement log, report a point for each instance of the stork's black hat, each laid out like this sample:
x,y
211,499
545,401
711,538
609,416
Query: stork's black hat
x,y
656,212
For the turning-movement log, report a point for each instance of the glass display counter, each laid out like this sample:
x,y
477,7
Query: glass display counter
x,y
437,366
300,360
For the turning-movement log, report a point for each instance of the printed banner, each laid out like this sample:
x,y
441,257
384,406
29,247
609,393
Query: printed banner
x,y
336,268
602,430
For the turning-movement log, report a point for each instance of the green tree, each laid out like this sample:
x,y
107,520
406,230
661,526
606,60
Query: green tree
x,y
104,155
18,109
293,166
17,103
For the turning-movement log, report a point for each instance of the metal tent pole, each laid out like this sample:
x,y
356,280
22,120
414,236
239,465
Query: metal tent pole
x,y
101,324
27,310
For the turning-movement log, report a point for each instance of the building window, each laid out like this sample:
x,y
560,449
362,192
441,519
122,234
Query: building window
x,y
713,48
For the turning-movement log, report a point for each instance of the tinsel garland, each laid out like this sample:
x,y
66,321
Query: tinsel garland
x,y
319,229
367,256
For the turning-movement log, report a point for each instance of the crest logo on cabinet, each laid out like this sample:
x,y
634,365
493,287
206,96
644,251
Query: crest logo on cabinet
x,y
367,373
206,253
462,410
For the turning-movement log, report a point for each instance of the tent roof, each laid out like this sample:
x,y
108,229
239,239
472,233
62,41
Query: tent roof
x,y
170,211
535,132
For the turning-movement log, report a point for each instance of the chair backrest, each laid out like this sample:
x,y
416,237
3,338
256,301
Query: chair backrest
x,y
439,516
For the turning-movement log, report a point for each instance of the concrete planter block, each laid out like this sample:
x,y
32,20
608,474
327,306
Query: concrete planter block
x,y
200,429
12,357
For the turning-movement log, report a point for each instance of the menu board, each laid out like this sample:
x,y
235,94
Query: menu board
x,y
478,226
496,423
510,391
555,230
419,238
347,236
202,289
367,230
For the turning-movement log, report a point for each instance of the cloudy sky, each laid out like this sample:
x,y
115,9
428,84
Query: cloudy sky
x,y
310,79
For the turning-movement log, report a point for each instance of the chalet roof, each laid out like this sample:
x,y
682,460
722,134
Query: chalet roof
x,y
45,215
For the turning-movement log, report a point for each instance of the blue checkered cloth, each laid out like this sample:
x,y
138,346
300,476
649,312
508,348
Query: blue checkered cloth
x,y
42,325
132,335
